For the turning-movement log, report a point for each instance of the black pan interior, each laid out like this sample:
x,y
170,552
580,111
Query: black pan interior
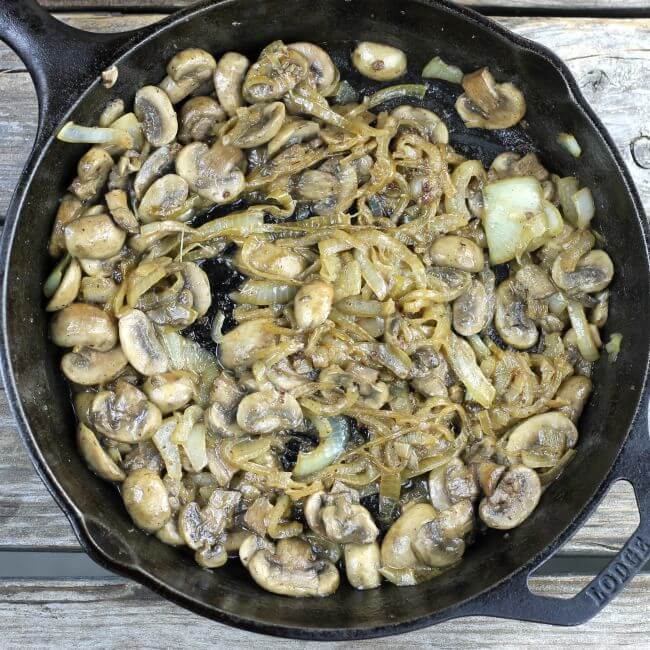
x,y
422,30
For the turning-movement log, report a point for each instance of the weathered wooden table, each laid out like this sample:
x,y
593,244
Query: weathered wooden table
x,y
52,595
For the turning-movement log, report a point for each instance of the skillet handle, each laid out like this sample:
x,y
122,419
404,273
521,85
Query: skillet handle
x,y
62,60
513,599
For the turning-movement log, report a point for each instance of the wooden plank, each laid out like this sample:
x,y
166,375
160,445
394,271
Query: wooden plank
x,y
115,613
611,64
492,5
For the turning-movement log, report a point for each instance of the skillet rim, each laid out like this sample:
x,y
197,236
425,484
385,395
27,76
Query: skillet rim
x,y
131,570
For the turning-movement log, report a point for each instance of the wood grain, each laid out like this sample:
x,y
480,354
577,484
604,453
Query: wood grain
x,y
610,60
114,613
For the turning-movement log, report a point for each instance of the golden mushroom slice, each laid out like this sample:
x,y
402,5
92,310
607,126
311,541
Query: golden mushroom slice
x,y
322,71
362,564
313,303
228,79
268,411
541,440
575,391
379,61
193,63
489,105
512,323
292,131
68,288
253,126
514,499
171,391
291,569
141,345
473,310
198,118
214,173
88,367
92,173
82,325
96,457
124,414
157,115
146,500
238,347
154,167
456,252
592,274
451,483
166,199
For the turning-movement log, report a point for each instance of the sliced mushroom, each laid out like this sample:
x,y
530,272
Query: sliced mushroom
x,y
343,190
292,131
457,253
125,414
514,499
451,483
68,288
228,79
94,237
198,118
426,122
157,115
313,303
489,105
204,529
473,310
96,457
593,273
322,71
144,455
69,209
254,126
535,282
270,258
171,391
510,318
574,390
267,411
117,203
214,173
340,518
277,71
88,367
146,500
448,283
362,563
291,569
193,63
238,347
153,167
379,61
221,423
541,440
165,199
92,173
141,345
169,534
82,325
397,547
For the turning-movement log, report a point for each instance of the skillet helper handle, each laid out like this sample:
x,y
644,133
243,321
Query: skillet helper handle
x,y
515,600
62,60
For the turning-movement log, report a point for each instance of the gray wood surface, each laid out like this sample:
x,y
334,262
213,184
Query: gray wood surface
x,y
119,614
610,60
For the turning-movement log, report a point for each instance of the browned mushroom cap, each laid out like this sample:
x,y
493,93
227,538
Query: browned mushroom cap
x,y
214,173
82,325
69,209
362,564
198,118
488,105
277,71
228,79
322,71
254,125
456,252
473,310
291,569
514,499
154,109
575,391
125,414
94,237
88,367
92,173
166,199
379,61
146,500
193,63
96,457
171,391
515,327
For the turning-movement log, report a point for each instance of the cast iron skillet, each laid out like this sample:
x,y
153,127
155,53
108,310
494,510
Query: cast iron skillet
x,y
492,579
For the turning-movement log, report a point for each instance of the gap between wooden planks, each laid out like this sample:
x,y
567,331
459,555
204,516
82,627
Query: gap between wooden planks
x,y
611,63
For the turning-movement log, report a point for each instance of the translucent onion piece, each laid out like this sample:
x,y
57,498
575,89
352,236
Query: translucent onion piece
x,y
462,360
169,450
568,142
439,69
585,207
613,346
75,133
195,447
261,292
566,188
54,279
584,336
331,446
400,91
410,576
